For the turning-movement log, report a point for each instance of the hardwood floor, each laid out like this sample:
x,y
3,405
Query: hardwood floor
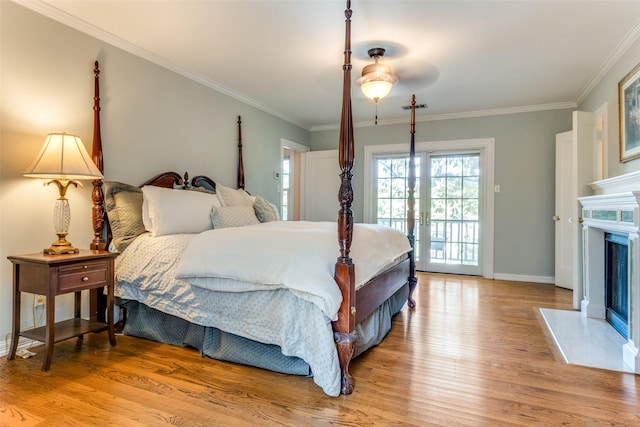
x,y
473,353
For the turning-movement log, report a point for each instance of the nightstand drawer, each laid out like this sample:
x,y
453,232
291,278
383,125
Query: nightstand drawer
x,y
82,276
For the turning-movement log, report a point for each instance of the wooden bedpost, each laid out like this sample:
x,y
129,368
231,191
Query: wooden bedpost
x,y
344,328
97,300
97,196
411,204
240,163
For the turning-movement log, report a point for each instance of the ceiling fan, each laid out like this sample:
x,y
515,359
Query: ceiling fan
x,y
391,67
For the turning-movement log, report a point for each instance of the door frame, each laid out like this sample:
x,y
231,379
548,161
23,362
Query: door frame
x,y
295,170
486,148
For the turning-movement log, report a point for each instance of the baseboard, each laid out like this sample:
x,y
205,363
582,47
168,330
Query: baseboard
x,y
524,278
23,344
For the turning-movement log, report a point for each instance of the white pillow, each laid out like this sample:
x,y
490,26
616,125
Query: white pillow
x,y
230,197
178,211
233,216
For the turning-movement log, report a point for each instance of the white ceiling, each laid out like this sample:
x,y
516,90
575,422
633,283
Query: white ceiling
x,y
461,58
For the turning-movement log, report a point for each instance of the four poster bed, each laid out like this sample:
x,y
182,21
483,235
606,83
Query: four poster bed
x,y
194,286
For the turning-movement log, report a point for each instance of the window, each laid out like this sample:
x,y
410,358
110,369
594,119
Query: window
x,y
392,174
285,188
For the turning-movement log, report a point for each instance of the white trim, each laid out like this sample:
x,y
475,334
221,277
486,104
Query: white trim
x,y
63,17
461,115
486,146
594,228
617,53
525,278
286,143
56,14
617,184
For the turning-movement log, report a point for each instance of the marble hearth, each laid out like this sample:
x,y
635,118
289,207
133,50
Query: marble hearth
x,y
615,208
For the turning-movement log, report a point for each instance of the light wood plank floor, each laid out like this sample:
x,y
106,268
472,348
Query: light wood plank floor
x,y
473,353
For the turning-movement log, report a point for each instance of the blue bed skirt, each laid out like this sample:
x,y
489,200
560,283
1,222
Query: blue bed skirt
x,y
145,322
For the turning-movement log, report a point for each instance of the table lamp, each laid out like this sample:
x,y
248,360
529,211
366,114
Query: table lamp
x,y
63,160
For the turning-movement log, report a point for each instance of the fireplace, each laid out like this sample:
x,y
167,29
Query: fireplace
x,y
611,259
616,284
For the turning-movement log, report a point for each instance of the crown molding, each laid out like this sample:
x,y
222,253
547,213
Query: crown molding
x,y
460,115
51,12
629,39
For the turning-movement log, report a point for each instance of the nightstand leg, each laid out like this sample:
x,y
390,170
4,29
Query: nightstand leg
x,y
16,314
49,334
110,319
77,304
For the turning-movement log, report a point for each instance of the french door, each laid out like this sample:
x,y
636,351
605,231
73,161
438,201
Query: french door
x,y
453,227
450,216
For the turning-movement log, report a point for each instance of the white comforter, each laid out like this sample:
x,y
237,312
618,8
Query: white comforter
x,y
296,255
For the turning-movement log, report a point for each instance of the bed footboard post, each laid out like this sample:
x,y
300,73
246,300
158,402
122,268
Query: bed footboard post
x,y
345,343
240,181
344,328
411,215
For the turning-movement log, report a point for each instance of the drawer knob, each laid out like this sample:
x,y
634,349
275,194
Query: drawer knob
x,y
85,279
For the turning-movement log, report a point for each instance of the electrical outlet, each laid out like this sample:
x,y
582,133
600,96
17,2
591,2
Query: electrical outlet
x,y
39,302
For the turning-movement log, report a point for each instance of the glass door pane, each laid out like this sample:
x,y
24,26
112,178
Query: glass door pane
x,y
284,214
453,218
391,175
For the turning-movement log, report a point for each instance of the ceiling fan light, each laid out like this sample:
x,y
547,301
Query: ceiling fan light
x,y
377,79
376,89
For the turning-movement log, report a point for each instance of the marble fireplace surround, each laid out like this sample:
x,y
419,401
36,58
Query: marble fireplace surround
x,y
614,208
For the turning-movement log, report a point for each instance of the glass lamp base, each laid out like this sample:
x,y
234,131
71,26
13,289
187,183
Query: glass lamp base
x,y
61,220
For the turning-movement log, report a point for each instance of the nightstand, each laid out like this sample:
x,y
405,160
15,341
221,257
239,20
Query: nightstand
x,y
53,275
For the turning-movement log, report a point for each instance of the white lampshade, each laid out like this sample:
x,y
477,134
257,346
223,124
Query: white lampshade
x,y
63,157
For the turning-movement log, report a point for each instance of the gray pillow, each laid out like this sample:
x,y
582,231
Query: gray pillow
x,y
123,204
264,210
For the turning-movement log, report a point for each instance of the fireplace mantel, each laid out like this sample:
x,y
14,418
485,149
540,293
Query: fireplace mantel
x,y
617,184
615,208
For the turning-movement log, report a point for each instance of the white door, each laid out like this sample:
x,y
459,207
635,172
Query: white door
x,y
320,185
578,163
566,209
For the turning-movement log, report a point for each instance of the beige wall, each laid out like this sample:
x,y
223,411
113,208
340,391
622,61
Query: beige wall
x,y
153,120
